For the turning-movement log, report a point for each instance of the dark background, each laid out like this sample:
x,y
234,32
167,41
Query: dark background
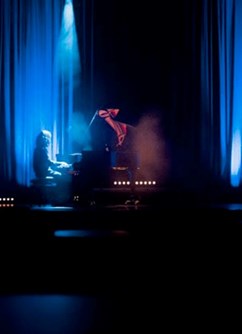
x,y
136,52
145,58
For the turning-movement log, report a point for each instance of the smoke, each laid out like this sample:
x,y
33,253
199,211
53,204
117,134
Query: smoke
x,y
151,148
80,132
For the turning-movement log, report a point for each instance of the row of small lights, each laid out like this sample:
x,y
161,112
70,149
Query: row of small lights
x,y
6,202
137,183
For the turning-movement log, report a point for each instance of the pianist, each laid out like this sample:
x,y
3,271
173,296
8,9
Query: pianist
x,y
43,165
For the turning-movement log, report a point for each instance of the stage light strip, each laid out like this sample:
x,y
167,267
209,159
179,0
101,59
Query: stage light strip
x,y
137,183
6,199
6,202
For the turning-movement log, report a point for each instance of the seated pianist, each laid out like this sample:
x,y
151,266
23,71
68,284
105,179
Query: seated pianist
x,y
42,164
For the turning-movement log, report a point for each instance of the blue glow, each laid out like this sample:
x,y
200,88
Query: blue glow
x,y
237,101
36,96
51,208
89,233
72,233
47,313
236,159
80,132
69,67
41,80
82,233
68,24
230,81
68,52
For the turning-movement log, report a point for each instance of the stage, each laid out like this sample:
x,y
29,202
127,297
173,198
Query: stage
x,y
110,267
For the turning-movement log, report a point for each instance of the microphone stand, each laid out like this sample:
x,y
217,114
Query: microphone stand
x,y
93,118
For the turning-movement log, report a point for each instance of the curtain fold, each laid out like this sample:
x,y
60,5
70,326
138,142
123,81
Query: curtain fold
x,y
31,98
221,87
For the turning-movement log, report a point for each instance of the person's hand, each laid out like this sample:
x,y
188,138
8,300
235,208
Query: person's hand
x,y
64,164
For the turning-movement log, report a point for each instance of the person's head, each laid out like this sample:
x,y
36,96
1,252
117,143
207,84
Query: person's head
x,y
43,139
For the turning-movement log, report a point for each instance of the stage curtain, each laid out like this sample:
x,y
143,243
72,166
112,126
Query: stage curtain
x,y
221,84
34,93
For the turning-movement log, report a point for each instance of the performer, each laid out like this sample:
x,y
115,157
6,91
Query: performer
x,y
45,168
124,149
42,163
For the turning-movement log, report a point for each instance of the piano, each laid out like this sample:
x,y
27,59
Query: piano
x,y
91,169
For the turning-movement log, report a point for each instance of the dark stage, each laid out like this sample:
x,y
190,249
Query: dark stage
x,y
110,267
96,94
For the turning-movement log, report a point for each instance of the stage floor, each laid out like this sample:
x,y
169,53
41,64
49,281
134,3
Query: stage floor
x,y
110,267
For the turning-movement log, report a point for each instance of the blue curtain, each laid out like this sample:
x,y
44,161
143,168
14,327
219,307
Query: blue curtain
x,y
221,86
36,92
